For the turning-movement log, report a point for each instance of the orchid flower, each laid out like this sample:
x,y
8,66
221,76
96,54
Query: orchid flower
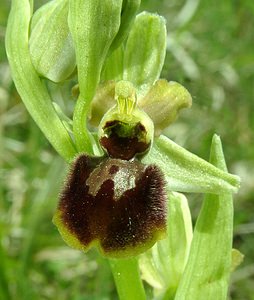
x,y
122,191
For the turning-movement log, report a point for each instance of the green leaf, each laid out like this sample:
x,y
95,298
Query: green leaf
x,y
186,172
93,25
145,49
30,87
51,47
163,265
208,268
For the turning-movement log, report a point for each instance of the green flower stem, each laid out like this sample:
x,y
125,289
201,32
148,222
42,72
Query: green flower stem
x,y
30,87
208,268
82,137
93,25
127,279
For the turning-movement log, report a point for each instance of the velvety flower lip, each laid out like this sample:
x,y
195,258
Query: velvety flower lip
x,y
117,205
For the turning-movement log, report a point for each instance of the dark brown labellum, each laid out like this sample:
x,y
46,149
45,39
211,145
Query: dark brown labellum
x,y
117,205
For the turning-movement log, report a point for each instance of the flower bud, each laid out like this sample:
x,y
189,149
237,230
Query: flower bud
x,y
145,49
93,25
51,47
125,131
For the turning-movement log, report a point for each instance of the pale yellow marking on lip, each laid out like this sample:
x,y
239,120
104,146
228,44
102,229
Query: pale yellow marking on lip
x,y
123,179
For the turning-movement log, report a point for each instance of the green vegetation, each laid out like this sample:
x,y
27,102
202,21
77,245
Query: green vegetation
x,y
210,52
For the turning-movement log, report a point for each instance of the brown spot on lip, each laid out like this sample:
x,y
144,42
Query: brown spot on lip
x,y
131,224
113,169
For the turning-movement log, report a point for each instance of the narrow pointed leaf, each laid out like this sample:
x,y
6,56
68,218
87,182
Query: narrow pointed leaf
x,y
208,268
186,172
145,49
30,87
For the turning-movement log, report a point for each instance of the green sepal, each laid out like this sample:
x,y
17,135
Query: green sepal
x,y
93,25
163,264
51,47
30,87
207,272
186,172
163,103
145,49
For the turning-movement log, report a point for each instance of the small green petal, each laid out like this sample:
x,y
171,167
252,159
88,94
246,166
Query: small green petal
x,y
208,268
163,102
163,264
145,49
186,172
51,48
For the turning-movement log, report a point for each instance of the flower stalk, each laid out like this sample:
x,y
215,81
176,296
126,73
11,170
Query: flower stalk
x,y
127,279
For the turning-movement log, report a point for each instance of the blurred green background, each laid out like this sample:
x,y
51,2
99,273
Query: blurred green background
x,y
211,52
